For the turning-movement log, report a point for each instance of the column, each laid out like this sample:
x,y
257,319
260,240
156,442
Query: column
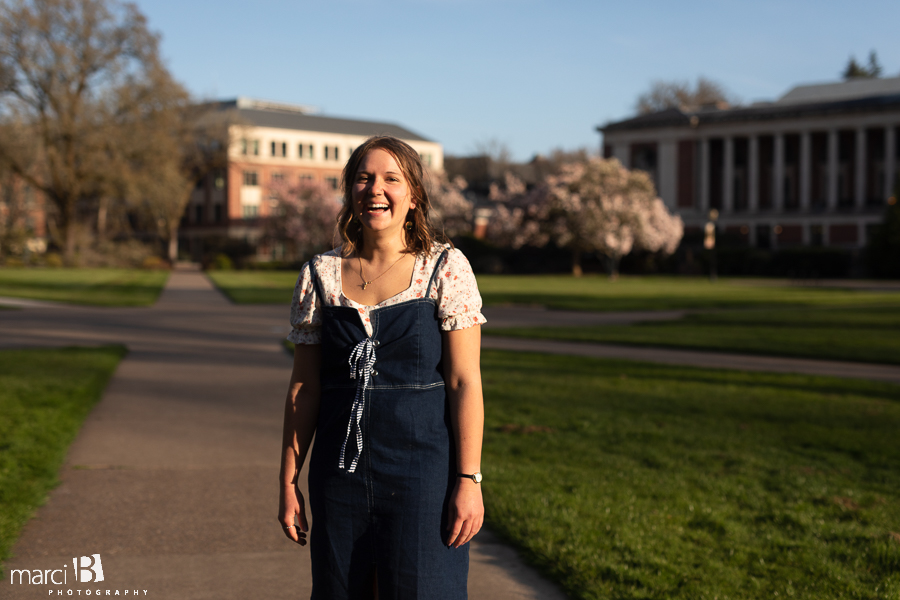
x,y
667,172
753,175
728,177
778,178
805,170
704,175
832,169
890,160
859,193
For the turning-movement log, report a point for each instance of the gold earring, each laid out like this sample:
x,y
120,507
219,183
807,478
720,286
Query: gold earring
x,y
409,225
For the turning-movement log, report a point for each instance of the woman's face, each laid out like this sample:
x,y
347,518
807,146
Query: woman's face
x,y
381,194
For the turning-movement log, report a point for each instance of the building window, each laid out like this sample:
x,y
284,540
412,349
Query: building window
x,y
312,154
426,159
277,177
332,182
219,178
306,178
327,150
336,154
279,149
198,213
250,211
250,178
255,147
300,151
244,146
217,213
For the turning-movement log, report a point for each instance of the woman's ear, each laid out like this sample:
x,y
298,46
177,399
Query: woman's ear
x,y
414,199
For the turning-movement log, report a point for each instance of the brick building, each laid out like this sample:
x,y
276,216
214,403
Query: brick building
x,y
276,142
814,167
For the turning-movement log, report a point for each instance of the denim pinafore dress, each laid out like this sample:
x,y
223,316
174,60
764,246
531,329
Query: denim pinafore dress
x,y
383,463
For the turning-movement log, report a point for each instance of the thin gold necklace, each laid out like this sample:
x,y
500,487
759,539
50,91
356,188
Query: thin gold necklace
x,y
363,277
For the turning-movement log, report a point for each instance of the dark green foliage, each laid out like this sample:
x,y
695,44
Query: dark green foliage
x,y
883,251
45,396
629,480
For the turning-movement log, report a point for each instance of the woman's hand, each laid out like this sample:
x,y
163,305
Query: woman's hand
x,y
466,512
291,506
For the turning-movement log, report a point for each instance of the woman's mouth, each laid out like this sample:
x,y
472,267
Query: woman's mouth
x,y
377,208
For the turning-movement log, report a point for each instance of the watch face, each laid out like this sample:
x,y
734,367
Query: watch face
x,y
477,478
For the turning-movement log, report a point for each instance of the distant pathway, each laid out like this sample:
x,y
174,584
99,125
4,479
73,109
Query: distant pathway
x,y
696,358
173,479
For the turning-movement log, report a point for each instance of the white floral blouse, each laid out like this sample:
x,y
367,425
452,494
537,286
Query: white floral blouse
x,y
454,289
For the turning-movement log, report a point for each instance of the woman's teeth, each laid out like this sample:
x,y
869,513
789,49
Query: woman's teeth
x,y
377,207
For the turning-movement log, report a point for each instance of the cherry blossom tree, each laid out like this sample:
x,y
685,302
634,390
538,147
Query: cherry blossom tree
x,y
450,209
598,205
520,214
305,218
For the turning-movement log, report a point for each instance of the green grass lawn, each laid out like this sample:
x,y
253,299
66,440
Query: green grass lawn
x,y
256,287
598,293
629,480
591,292
44,397
100,287
859,333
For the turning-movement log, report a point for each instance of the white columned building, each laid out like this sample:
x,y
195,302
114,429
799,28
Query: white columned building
x,y
816,166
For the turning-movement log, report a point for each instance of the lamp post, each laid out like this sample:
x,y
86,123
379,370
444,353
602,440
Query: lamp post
x,y
709,242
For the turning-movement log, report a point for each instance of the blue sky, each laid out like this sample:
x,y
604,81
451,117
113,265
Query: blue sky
x,y
532,74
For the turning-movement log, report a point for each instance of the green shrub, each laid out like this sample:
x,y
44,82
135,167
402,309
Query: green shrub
x,y
222,262
53,260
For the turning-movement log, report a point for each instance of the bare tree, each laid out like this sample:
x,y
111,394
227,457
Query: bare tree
x,y
680,94
81,84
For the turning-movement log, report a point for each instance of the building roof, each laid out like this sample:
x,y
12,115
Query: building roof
x,y
287,116
852,89
855,95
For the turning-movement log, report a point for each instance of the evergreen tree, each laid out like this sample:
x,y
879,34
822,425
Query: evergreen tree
x,y
855,70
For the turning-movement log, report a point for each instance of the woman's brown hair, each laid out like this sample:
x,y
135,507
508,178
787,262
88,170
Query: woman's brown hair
x,y
421,235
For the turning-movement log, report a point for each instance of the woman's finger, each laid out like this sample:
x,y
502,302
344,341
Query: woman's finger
x,y
461,537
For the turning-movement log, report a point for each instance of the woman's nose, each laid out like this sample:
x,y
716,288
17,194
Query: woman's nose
x,y
377,187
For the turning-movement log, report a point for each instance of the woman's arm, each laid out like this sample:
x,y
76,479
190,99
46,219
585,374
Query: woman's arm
x,y
462,376
301,410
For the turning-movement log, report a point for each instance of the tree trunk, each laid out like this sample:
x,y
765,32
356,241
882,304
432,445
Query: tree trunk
x,y
68,231
576,263
101,219
612,263
173,244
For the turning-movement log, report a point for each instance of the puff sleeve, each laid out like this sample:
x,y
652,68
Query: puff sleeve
x,y
456,292
306,318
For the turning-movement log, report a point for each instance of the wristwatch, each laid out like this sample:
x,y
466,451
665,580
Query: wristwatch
x,y
476,476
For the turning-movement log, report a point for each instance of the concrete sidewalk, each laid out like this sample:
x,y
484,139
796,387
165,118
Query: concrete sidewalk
x,y
173,479
697,358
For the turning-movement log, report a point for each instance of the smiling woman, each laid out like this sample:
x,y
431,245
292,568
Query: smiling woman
x,y
395,470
